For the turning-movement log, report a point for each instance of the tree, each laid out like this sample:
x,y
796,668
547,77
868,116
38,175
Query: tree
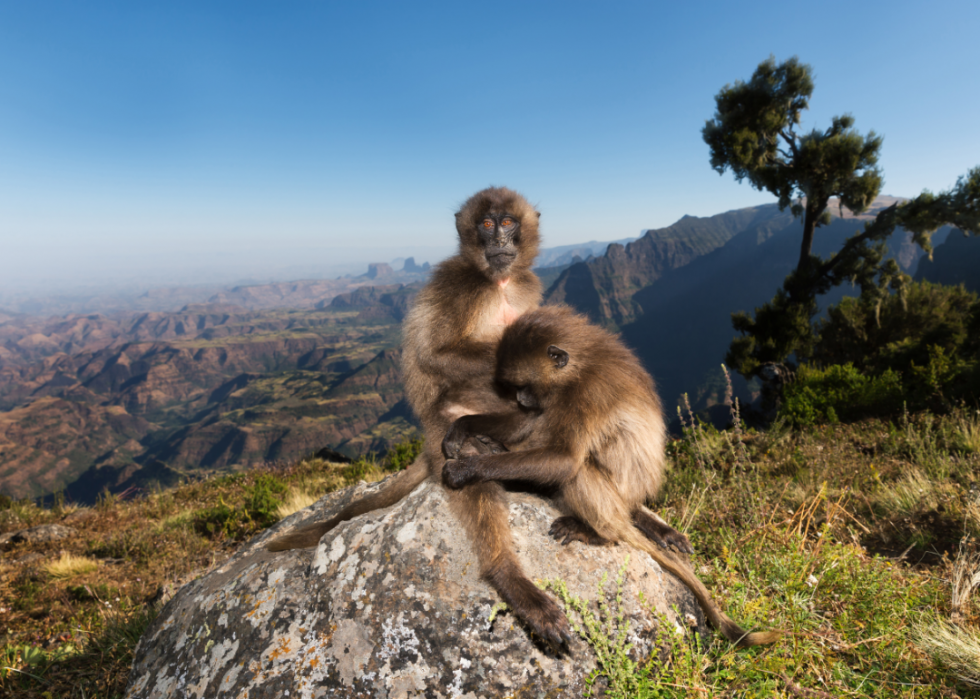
x,y
753,133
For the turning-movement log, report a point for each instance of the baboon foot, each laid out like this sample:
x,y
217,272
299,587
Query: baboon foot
x,y
458,444
661,533
544,616
478,445
569,529
538,610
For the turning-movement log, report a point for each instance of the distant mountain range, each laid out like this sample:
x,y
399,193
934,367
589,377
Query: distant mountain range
x,y
672,292
131,399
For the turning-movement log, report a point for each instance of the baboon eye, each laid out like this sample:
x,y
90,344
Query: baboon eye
x,y
507,221
487,223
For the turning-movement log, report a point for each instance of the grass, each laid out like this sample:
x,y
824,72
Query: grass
x,y
859,541
72,611
294,501
70,566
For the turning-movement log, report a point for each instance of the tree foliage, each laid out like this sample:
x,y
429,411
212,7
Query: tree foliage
x,y
754,134
785,326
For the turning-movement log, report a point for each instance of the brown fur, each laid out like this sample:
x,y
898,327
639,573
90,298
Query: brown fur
x,y
450,342
587,421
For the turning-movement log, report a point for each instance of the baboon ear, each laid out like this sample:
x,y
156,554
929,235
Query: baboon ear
x,y
558,356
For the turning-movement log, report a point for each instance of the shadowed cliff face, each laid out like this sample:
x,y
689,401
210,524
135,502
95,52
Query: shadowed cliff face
x,y
956,261
672,292
604,287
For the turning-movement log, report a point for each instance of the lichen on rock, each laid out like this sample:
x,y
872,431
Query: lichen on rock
x,y
389,604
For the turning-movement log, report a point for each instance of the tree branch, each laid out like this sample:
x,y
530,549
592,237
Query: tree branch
x,y
791,141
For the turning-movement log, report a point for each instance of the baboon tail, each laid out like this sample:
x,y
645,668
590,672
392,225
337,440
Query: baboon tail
x,y
401,485
729,629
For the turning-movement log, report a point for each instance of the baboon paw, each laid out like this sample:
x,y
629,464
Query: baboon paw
x,y
659,532
458,473
548,622
568,529
680,542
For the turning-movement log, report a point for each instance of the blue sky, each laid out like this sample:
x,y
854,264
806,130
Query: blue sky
x,y
176,142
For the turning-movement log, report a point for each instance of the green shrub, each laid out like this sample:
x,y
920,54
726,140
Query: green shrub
x,y
262,498
840,392
403,454
219,520
258,510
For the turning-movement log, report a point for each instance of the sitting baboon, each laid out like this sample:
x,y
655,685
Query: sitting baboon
x,y
584,420
450,343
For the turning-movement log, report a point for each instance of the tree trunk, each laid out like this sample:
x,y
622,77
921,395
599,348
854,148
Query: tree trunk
x,y
809,225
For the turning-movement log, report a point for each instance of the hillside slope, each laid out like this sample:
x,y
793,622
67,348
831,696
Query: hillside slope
x,y
672,292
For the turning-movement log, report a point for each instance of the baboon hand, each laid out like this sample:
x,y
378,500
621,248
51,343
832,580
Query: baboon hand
x,y
490,445
458,473
569,529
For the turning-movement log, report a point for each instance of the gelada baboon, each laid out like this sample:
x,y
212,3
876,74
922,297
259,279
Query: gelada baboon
x,y
584,420
450,343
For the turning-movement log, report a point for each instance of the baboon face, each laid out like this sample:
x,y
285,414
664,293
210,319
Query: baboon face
x,y
498,231
529,366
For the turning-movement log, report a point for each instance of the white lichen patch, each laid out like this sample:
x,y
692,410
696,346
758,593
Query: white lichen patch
x,y
406,533
351,647
337,549
219,656
396,638
276,577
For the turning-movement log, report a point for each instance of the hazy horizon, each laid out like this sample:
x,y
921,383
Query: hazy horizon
x,y
191,143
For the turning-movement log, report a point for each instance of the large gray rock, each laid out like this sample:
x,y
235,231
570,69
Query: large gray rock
x,y
388,605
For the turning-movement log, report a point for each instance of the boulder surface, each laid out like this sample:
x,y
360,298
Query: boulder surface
x,y
390,604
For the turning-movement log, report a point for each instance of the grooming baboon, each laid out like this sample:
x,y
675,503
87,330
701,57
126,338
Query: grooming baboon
x,y
450,342
585,420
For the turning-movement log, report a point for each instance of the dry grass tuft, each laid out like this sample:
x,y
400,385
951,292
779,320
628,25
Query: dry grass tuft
x,y
912,493
68,566
966,577
295,501
968,431
951,646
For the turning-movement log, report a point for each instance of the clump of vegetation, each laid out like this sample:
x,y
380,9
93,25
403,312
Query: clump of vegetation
x,y
72,611
294,501
840,392
69,566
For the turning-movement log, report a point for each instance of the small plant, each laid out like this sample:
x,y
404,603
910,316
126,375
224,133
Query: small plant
x,y
403,454
263,498
910,494
259,510
607,633
70,566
